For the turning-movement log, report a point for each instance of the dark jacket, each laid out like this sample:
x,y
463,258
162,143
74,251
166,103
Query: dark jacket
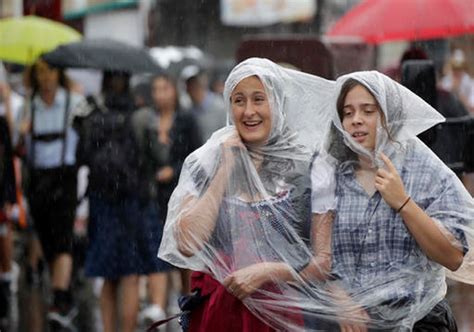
x,y
7,174
185,138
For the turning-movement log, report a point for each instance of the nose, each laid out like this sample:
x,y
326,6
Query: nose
x,y
357,118
249,109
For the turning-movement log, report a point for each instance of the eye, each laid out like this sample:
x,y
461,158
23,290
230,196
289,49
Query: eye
x,y
346,113
259,99
370,109
237,100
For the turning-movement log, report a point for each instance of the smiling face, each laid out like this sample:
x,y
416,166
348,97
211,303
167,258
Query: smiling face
x,y
360,116
251,111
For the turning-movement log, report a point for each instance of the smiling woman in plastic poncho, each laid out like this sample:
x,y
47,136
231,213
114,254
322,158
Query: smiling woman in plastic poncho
x,y
402,217
241,212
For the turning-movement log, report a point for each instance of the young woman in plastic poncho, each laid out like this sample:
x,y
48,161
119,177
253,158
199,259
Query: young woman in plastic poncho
x,y
240,216
402,217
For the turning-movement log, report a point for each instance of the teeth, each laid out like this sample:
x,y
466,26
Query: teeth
x,y
252,123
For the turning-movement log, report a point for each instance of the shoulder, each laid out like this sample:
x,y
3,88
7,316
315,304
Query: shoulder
x,y
76,98
417,154
323,171
63,94
143,115
422,164
84,106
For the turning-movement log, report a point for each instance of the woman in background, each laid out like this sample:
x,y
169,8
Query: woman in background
x,y
167,134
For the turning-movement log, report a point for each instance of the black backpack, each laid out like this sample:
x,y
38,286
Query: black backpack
x,y
108,147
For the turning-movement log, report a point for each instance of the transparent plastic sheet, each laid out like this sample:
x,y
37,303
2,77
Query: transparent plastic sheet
x,y
242,213
240,209
374,254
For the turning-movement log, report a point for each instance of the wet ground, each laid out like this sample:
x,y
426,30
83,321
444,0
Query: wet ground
x,y
30,306
30,302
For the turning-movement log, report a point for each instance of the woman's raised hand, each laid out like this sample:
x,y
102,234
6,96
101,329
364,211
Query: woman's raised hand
x,y
229,148
389,183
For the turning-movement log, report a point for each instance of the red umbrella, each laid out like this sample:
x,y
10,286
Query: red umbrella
x,y
378,21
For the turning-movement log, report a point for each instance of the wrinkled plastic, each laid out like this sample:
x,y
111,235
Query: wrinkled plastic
x,y
374,254
242,210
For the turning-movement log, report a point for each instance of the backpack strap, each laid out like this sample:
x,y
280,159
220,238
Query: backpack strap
x,y
64,132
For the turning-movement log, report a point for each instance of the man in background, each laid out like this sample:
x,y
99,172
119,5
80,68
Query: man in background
x,y
207,106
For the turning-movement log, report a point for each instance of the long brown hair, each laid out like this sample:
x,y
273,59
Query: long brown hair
x,y
33,80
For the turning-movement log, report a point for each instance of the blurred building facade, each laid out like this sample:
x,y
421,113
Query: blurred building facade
x,y
199,23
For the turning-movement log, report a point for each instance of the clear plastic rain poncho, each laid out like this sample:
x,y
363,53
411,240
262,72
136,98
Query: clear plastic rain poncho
x,y
375,258
239,206
243,207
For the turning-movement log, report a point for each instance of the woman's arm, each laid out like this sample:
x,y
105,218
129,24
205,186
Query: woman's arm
x,y
319,267
439,245
245,281
199,215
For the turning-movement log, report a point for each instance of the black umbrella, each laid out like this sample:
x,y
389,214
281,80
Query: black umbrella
x,y
104,54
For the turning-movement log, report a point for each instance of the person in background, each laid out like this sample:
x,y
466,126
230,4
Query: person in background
x,y
207,106
458,81
51,143
12,110
7,199
447,140
446,102
217,84
141,94
164,129
10,102
119,228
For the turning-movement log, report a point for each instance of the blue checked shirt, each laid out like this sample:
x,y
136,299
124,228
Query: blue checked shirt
x,y
370,240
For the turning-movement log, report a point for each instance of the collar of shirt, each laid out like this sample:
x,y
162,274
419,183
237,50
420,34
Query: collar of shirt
x,y
59,99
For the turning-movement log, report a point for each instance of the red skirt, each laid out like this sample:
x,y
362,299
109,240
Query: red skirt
x,y
221,311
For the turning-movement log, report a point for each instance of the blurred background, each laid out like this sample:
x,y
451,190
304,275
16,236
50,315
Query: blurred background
x,y
426,45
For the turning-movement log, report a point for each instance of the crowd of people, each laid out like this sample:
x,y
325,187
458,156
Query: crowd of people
x,y
286,202
133,154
